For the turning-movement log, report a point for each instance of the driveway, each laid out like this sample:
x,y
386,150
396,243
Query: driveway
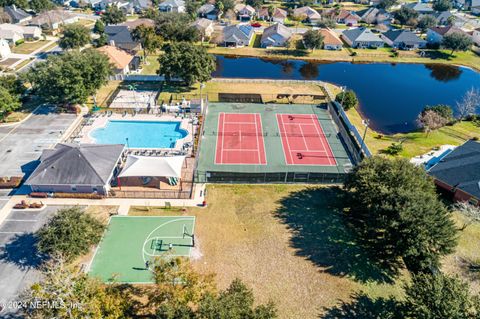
x,y
21,145
19,261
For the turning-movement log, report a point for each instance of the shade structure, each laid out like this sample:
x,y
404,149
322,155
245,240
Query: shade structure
x,y
169,166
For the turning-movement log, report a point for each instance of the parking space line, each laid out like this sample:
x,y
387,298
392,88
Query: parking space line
x,y
12,232
21,220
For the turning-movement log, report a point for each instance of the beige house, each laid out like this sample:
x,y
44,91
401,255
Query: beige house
x,y
26,32
53,19
330,40
476,36
118,57
4,49
204,26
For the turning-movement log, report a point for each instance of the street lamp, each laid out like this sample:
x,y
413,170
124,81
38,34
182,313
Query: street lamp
x,y
127,142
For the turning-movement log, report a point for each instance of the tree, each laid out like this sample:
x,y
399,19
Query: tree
x,y
41,5
70,78
432,296
186,61
237,301
74,36
99,27
387,4
426,22
393,208
312,39
113,15
225,5
469,103
8,102
442,5
173,26
147,37
348,99
192,6
13,84
430,120
70,233
457,41
254,3
406,16
327,23
441,109
101,41
75,294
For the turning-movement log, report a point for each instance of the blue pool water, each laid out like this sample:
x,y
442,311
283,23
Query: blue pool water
x,y
140,134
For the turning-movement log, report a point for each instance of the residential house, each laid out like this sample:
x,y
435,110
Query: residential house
x,y
4,49
279,15
53,19
421,8
475,10
76,168
435,35
476,36
262,13
120,36
362,38
275,36
403,39
330,40
458,173
244,12
204,26
172,6
209,11
11,36
376,16
132,24
309,14
122,61
25,32
17,15
237,35
343,17
140,5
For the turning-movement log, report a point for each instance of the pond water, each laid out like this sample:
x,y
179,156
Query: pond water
x,y
391,95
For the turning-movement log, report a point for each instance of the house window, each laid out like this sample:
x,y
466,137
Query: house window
x,y
74,188
473,201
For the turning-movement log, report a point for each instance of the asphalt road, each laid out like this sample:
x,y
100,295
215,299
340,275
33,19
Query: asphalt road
x,y
19,260
21,145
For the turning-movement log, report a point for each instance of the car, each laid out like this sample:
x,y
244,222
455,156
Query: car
x,y
256,25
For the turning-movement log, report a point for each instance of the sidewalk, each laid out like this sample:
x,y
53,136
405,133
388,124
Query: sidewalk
x,y
123,203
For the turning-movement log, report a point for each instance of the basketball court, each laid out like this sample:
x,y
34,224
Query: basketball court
x,y
303,140
240,139
131,244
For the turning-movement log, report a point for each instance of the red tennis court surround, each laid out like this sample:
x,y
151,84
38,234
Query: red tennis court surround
x,y
240,139
303,140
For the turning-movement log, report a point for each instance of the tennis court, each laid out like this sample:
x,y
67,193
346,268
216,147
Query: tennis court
x,y
132,241
240,139
303,140
271,143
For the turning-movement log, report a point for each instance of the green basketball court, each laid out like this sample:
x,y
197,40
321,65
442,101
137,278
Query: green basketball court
x,y
131,241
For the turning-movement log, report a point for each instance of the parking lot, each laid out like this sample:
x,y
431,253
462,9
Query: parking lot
x,y
21,145
19,260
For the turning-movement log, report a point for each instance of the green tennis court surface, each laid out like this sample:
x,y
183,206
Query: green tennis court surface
x,y
130,242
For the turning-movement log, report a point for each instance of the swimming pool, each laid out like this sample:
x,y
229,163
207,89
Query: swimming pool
x,y
140,134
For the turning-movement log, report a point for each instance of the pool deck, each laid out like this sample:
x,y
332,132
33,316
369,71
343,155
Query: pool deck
x,y
102,120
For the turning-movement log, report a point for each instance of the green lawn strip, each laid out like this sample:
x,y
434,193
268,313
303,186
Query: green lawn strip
x,y
28,47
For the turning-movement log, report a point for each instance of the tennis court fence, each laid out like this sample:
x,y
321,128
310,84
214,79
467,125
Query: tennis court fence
x,y
268,177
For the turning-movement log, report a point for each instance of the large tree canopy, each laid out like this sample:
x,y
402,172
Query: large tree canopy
x,y
406,15
173,26
70,233
312,39
457,42
8,102
41,5
113,15
74,36
71,77
186,61
395,211
147,37
439,296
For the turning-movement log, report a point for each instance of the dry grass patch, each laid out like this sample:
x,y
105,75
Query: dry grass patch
x,y
285,241
105,93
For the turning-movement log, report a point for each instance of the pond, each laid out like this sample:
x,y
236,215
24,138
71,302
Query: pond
x,y
391,95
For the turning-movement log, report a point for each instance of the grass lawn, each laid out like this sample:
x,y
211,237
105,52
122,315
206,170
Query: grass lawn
x,y
417,143
151,66
287,242
470,58
28,47
86,22
104,93
268,91
23,63
256,42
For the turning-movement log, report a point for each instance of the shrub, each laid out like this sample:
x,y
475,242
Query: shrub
x,y
348,99
394,149
70,233
18,42
78,195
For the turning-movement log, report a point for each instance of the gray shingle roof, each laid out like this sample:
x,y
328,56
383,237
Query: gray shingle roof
x,y
73,164
16,13
404,36
233,33
362,35
276,29
461,168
